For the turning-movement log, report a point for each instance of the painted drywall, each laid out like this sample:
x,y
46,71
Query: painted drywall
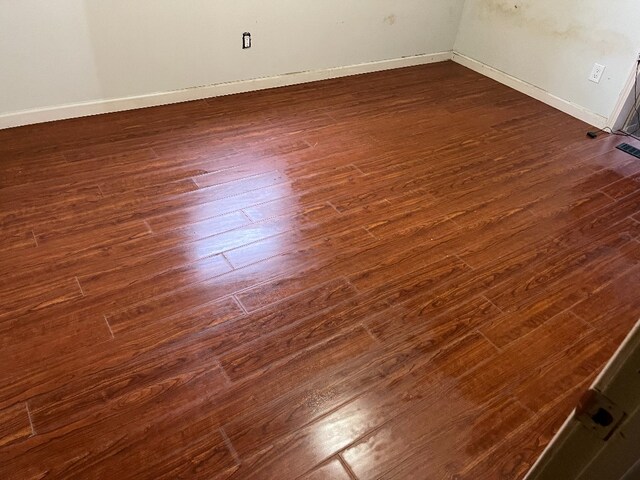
x,y
63,52
553,44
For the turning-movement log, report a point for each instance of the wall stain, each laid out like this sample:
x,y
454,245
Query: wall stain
x,y
390,19
534,16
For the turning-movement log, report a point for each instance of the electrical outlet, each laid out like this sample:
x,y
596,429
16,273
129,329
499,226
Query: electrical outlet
x,y
596,73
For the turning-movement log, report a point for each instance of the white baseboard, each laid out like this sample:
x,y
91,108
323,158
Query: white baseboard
x,y
531,90
27,117
625,104
60,112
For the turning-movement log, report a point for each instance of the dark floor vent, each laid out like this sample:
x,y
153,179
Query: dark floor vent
x,y
626,148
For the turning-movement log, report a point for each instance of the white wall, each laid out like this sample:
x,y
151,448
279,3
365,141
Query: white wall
x,y
58,52
553,44
84,53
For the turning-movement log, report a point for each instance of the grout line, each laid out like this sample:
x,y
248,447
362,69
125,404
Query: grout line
x,y
489,300
346,279
79,286
333,206
198,187
108,326
240,304
231,195
481,333
229,445
241,179
370,234
566,310
33,428
285,359
253,262
368,433
606,194
246,216
579,317
519,402
330,116
228,261
34,238
458,257
173,316
259,282
452,220
357,168
224,372
292,296
155,152
209,172
527,210
366,329
346,466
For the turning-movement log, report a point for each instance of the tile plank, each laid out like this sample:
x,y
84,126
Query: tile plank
x,y
289,283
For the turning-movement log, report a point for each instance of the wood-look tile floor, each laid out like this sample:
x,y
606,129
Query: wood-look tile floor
x,y
407,274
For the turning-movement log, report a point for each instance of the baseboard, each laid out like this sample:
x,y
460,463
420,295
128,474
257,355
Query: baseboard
x,y
27,117
531,90
618,118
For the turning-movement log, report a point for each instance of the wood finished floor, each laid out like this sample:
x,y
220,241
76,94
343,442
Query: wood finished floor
x,y
407,274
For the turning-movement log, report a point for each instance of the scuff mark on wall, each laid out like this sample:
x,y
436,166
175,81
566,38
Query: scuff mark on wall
x,y
533,16
553,45
390,19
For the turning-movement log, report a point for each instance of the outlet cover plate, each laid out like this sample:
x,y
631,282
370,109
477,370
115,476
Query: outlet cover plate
x,y
596,73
